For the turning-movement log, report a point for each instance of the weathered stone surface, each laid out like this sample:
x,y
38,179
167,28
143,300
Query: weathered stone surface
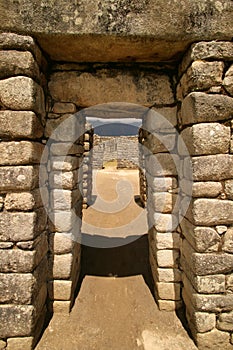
x,y
225,322
207,212
229,189
200,76
228,241
64,199
212,168
212,50
60,290
124,31
169,305
203,264
21,226
16,288
25,201
164,274
167,258
20,153
16,320
161,184
207,189
18,260
162,202
165,222
13,63
63,180
213,340
206,138
22,93
200,322
61,266
203,239
61,243
229,283
63,108
19,178
64,149
228,80
61,307
168,291
168,240
63,129
152,121
89,89
64,221
17,124
20,343
157,143
199,107
68,163
161,164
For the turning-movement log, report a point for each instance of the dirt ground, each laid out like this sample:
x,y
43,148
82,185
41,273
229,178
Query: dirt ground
x,y
114,308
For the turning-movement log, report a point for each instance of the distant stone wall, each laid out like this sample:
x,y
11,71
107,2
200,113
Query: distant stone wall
x,y
124,149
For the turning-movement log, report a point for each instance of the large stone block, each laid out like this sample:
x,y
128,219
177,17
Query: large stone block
x,y
25,343
225,322
168,240
161,184
61,243
207,50
16,288
25,201
200,76
63,129
207,212
168,291
203,264
152,121
20,153
60,290
14,63
158,143
16,227
89,89
65,149
67,163
17,124
22,93
207,189
167,258
212,168
206,138
162,202
228,81
213,340
200,322
23,261
16,320
162,164
61,266
18,178
64,221
63,108
200,107
64,199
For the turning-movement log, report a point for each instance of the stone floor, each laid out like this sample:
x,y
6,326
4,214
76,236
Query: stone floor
x,y
114,308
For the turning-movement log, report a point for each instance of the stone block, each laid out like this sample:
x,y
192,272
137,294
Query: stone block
x,y
61,307
167,258
229,189
200,322
168,291
65,148
14,63
152,121
225,321
169,305
168,275
228,81
161,184
200,107
90,89
20,153
158,143
162,202
64,199
213,340
165,222
22,93
212,167
200,76
21,226
23,261
206,138
162,164
16,288
63,129
16,320
67,163
168,240
203,264
61,243
63,108
18,178
207,189
25,201
207,212
207,50
228,241
60,290
64,221
61,266
203,239
17,124
63,180
25,343
229,283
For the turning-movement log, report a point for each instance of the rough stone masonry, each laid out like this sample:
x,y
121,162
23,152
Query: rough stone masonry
x,y
58,58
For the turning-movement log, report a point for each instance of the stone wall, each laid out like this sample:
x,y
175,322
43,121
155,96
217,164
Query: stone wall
x,y
23,219
124,149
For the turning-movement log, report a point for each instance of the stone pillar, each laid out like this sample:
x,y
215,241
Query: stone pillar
x,y
65,131
205,91
23,219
